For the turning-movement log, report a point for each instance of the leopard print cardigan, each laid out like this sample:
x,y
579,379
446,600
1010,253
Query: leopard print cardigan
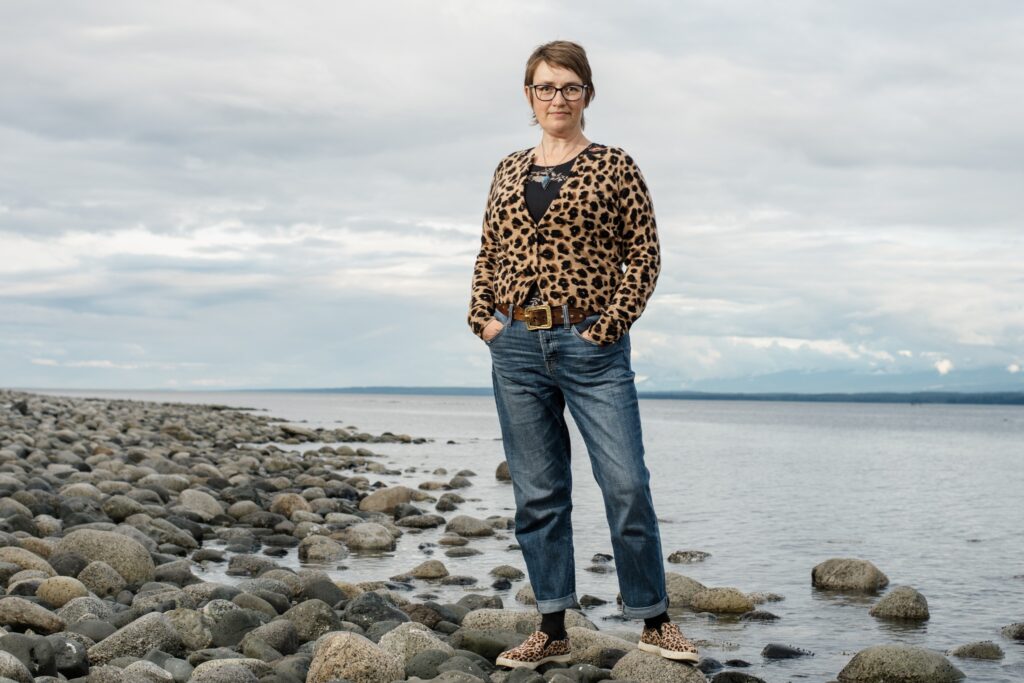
x,y
595,248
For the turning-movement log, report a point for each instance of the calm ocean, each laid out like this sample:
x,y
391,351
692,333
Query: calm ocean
x,y
932,494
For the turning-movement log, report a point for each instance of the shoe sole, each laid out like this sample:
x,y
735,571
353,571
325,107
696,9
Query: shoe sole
x,y
669,654
515,663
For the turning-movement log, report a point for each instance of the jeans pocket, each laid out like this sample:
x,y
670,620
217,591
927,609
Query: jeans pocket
x,y
579,328
503,319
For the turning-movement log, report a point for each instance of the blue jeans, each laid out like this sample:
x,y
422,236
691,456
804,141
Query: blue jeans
x,y
536,374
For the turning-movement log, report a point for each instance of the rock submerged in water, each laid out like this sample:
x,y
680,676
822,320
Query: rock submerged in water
x,y
502,473
387,499
735,677
903,663
848,574
780,651
901,602
467,526
722,600
688,556
1014,631
369,536
985,649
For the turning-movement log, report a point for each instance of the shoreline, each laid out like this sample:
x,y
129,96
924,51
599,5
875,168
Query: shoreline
x,y
149,494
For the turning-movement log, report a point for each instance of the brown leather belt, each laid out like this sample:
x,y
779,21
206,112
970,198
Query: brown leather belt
x,y
544,317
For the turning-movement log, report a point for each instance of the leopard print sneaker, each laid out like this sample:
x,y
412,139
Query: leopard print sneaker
x,y
534,651
669,643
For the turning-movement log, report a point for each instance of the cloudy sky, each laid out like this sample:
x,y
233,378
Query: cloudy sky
x,y
270,194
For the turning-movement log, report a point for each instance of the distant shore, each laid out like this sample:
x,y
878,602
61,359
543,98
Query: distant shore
x,y
911,397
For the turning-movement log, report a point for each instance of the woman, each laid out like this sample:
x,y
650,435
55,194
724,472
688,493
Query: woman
x,y
569,257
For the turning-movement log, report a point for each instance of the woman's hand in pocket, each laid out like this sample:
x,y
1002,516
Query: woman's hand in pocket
x,y
491,330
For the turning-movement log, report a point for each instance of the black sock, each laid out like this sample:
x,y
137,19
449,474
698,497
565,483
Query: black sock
x,y
553,624
656,622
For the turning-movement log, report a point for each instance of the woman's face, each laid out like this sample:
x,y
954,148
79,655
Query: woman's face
x,y
558,117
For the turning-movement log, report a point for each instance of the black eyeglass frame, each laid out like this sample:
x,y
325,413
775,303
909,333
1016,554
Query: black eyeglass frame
x,y
582,87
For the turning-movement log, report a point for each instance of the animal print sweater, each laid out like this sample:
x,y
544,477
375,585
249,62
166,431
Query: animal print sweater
x,y
596,248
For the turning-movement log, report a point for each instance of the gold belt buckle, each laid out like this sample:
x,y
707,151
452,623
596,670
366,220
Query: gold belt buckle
x,y
531,325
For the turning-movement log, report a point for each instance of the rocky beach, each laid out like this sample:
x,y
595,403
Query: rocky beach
x,y
145,541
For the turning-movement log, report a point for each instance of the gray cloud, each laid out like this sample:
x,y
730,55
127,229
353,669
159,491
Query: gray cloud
x,y
244,194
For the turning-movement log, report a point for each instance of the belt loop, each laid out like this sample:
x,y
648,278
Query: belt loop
x,y
566,323
511,313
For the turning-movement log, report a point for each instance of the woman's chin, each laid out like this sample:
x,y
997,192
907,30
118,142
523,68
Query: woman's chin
x,y
560,125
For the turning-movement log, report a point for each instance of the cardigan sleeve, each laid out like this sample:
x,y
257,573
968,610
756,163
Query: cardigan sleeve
x,y
641,254
481,299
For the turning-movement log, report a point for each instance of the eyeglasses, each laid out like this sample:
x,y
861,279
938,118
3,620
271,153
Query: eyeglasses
x,y
546,93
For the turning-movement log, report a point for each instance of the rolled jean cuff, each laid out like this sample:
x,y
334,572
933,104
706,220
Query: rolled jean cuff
x,y
557,605
645,612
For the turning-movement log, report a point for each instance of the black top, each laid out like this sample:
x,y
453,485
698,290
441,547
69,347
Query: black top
x,y
540,194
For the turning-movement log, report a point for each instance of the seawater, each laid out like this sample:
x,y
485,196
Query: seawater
x,y
930,493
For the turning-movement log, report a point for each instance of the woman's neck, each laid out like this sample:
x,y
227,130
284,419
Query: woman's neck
x,y
554,149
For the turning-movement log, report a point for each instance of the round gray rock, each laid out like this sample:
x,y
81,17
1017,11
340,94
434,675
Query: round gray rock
x,y
985,649
902,602
321,549
649,668
201,503
227,672
344,655
409,639
1014,631
15,611
152,631
386,499
126,555
144,671
101,579
681,589
255,667
312,619
721,601
26,559
848,574
903,663
12,668
431,569
59,590
369,536
467,526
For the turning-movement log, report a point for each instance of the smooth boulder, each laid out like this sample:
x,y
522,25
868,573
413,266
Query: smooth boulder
x,y
369,536
126,555
153,631
902,602
637,665
345,655
721,601
903,663
848,574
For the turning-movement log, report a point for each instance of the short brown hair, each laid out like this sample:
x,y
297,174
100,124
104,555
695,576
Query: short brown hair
x,y
567,55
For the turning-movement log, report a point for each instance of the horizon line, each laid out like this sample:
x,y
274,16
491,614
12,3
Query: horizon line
x,y
1004,397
